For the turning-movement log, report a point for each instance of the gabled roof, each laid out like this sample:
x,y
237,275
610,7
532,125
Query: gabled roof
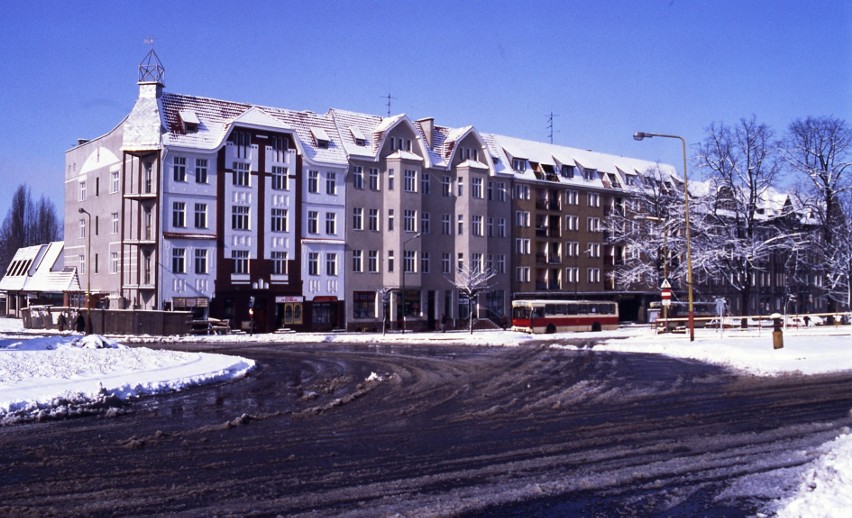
x,y
40,268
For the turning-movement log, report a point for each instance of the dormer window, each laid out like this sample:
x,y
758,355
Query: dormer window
x,y
589,174
519,164
190,121
320,137
567,171
358,136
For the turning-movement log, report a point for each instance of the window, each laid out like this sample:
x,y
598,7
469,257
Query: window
x,y
280,221
519,164
178,260
331,264
425,183
82,227
594,275
364,304
200,170
501,191
113,262
572,275
330,223
445,262
424,262
114,217
200,260
523,274
409,219
476,188
446,224
594,199
522,192
594,250
81,192
446,186
313,182
241,262
373,220
425,223
374,179
179,169
373,261
390,261
313,263
410,180
594,225
572,223
501,227
331,183
279,263
313,222
200,215
460,182
490,227
589,174
572,197
357,218
279,148
522,218
460,264
572,249
501,263
522,246
240,217
476,263
178,214
409,260
390,179
114,182
476,225
567,171
357,260
280,178
390,220
357,177
461,224
241,174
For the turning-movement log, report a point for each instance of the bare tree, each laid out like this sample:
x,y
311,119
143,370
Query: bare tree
x,y
27,224
471,281
734,236
818,149
650,228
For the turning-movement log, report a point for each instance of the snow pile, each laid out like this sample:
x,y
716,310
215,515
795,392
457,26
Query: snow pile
x,y
827,485
53,375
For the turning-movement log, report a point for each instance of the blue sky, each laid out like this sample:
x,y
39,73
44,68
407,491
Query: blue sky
x,y
605,69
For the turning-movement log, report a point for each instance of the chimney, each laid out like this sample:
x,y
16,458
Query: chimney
x,y
428,125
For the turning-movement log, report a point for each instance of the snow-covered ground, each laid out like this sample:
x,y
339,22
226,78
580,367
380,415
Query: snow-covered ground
x,y
42,374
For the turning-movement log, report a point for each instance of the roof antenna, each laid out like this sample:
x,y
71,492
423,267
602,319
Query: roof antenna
x,y
388,103
550,126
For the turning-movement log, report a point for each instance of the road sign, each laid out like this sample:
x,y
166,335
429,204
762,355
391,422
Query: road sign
x,y
666,296
665,285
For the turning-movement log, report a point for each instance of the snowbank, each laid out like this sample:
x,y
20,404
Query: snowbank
x,y
57,375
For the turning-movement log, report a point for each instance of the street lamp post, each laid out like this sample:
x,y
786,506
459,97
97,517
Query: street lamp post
x,y
402,295
641,135
81,210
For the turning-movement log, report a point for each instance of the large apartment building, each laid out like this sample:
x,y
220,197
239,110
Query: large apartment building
x,y
337,220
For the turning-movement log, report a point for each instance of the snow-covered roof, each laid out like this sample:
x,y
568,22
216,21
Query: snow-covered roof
x,y
40,268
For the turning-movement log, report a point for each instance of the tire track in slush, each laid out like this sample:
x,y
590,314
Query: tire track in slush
x,y
448,431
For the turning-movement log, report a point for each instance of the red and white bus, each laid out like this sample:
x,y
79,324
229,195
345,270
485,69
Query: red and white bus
x,y
551,316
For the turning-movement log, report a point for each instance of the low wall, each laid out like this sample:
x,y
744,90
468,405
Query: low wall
x,y
111,321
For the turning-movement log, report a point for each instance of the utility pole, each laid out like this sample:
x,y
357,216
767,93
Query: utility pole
x,y
550,126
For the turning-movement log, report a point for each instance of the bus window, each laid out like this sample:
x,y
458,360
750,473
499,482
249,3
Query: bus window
x,y
550,309
522,312
538,312
561,309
